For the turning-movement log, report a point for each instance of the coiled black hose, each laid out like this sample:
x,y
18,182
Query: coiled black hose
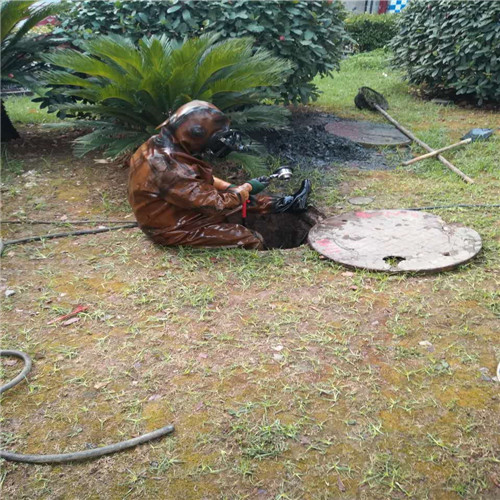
x,y
76,456
26,369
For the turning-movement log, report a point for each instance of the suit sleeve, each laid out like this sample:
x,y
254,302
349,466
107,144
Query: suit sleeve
x,y
193,193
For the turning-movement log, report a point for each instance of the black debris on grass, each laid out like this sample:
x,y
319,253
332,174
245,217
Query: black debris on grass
x,y
308,144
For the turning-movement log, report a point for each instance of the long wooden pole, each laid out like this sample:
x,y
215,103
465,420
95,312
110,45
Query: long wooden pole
x,y
436,152
409,134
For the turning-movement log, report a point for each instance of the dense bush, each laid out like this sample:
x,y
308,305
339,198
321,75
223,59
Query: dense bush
x,y
309,34
124,91
371,31
451,45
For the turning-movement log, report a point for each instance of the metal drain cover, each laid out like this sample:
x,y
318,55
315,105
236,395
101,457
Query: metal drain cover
x,y
368,133
394,241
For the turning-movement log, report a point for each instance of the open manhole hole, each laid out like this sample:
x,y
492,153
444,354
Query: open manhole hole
x,y
284,230
394,241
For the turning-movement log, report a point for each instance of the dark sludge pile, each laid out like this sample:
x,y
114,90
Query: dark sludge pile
x,y
307,144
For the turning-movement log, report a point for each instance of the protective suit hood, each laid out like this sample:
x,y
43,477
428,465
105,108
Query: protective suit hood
x,y
194,124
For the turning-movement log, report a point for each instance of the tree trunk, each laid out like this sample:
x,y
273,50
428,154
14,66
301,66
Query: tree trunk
x,y
9,132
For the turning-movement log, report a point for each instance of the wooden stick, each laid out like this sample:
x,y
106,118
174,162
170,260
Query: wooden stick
x,y
406,132
436,152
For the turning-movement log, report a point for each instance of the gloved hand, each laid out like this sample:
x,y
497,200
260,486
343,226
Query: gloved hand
x,y
243,191
257,185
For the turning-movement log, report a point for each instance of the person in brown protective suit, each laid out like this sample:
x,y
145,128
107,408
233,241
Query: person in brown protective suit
x,y
175,197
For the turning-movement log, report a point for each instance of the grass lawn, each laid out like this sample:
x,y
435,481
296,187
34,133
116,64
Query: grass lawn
x,y
286,376
23,110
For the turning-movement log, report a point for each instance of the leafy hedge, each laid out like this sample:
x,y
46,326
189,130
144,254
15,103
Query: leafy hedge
x,y
371,31
451,45
309,34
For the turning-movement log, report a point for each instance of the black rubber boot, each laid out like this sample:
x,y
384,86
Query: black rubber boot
x,y
294,203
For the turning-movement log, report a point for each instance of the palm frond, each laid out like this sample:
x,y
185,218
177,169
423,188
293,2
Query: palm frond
x,y
125,115
226,101
114,141
87,143
221,56
184,61
82,63
254,165
121,146
77,124
246,75
261,69
119,50
35,13
159,93
149,107
155,53
12,13
125,94
260,118
134,88
64,78
19,51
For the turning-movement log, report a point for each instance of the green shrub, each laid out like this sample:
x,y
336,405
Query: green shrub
x,y
371,31
309,34
20,49
125,91
451,45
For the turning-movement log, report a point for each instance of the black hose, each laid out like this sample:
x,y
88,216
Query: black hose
x,y
87,454
78,455
63,235
460,205
62,222
24,372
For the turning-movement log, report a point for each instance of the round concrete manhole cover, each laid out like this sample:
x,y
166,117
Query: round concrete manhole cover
x,y
368,133
394,241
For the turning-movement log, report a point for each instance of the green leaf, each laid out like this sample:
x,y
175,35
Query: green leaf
x,y
255,28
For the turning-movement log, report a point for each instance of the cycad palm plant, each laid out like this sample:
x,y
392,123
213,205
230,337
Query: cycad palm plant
x,y
127,90
19,50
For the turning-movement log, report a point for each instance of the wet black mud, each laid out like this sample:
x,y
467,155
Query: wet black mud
x,y
308,144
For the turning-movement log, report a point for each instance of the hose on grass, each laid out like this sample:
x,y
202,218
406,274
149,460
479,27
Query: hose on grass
x,y
26,368
459,205
74,456
28,239
62,222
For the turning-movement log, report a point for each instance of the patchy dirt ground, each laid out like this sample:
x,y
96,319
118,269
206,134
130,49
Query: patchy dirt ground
x,y
285,375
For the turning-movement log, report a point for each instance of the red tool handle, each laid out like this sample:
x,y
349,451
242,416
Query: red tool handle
x,y
244,213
